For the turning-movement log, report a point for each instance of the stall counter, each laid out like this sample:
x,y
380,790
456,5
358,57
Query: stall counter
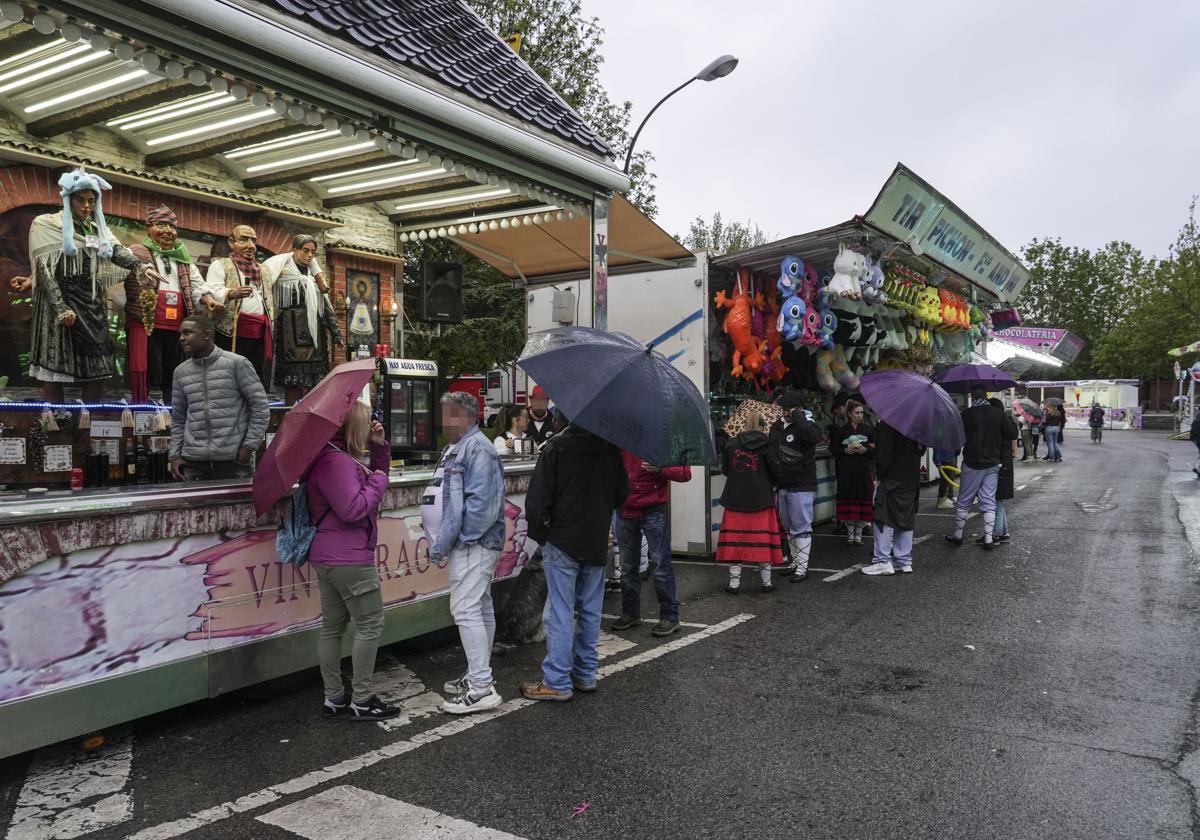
x,y
124,602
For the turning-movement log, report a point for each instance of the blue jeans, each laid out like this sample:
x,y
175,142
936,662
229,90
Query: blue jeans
x,y
657,530
571,642
1052,433
1001,519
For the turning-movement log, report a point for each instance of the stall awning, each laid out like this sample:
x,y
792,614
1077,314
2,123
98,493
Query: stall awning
x,y
1018,360
538,245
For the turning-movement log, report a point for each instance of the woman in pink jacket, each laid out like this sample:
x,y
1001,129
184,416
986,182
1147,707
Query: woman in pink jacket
x,y
343,501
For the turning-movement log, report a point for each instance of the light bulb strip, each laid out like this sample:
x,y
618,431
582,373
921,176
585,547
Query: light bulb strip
x,y
83,92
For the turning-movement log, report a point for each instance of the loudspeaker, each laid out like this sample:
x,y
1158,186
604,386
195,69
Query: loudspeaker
x,y
441,293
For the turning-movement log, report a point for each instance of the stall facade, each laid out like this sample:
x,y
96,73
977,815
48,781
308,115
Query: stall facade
x,y
403,123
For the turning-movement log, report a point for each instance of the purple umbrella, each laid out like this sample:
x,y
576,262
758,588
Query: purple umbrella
x,y
914,406
960,378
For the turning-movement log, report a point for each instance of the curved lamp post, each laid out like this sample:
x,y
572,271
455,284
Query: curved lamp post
x,y
716,69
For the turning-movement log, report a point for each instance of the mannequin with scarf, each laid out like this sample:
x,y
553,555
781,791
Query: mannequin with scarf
x,y
154,354
304,321
74,260
240,302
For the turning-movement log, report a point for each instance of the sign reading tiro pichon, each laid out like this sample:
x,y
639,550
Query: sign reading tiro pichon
x,y
914,212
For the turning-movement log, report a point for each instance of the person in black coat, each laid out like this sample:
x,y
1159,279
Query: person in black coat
x,y
1004,484
794,438
855,481
749,525
898,469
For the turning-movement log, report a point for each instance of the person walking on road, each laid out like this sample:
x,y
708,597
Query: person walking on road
x,y
343,501
578,482
643,519
463,513
793,440
854,446
1194,437
1053,424
898,468
219,410
1096,422
750,524
982,455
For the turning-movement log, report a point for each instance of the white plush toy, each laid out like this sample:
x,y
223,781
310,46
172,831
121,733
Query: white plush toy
x,y
848,267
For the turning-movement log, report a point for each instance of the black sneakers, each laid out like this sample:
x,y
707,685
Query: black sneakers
x,y
664,628
372,709
954,541
335,705
625,622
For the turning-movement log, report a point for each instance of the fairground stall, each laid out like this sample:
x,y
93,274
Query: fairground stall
x,y
1118,398
909,283
122,594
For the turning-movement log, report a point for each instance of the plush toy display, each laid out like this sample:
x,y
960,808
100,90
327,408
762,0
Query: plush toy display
x,y
811,337
747,355
872,284
829,324
810,286
791,318
791,275
848,267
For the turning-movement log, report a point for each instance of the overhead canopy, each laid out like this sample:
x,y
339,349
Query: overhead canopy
x,y
534,249
1018,360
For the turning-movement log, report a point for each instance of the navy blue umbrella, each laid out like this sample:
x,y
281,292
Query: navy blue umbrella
x,y
623,391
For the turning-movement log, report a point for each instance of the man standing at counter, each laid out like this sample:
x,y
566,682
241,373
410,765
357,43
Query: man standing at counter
x,y
219,409
541,423
468,495
238,299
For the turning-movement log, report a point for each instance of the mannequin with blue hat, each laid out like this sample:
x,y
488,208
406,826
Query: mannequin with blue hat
x,y
75,260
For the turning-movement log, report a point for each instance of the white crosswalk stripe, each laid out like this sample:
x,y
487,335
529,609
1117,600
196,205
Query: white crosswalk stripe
x,y
349,813
395,683
70,791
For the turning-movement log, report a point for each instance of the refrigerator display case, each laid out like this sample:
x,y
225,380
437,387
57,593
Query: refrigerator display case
x,y
409,402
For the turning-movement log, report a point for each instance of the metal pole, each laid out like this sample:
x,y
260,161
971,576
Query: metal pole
x,y
642,124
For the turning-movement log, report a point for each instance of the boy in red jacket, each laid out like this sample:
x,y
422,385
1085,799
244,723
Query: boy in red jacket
x,y
645,513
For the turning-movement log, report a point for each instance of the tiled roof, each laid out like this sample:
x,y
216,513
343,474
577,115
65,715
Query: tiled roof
x,y
446,40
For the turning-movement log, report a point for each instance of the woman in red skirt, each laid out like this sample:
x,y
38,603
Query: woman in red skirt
x,y
750,526
854,446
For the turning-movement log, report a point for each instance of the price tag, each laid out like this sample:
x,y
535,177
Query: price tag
x,y
107,428
57,459
12,450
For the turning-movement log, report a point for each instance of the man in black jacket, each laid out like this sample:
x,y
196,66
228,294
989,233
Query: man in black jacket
x,y
793,440
898,470
982,453
578,482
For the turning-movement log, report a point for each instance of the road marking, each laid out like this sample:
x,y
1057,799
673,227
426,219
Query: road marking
x,y
260,798
1101,505
921,539
70,791
611,645
396,684
1021,487
691,624
350,813
1036,478
843,573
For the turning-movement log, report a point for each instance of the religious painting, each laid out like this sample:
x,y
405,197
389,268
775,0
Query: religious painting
x,y
362,313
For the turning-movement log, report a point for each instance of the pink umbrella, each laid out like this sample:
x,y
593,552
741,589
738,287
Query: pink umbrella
x,y
308,426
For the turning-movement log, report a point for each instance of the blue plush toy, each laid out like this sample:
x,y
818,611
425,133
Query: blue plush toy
x,y
791,274
791,317
829,322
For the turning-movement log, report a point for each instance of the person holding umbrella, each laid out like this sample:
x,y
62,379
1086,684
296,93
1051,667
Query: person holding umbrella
x,y
343,501
898,470
750,524
986,440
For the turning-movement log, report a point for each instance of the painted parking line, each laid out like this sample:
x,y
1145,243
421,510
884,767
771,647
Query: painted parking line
x,y
351,813
308,781
843,573
691,624
1021,487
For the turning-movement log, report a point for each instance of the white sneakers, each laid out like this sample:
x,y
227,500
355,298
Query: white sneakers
x,y
945,503
473,701
881,568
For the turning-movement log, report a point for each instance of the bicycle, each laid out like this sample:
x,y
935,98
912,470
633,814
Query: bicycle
x,y
1097,433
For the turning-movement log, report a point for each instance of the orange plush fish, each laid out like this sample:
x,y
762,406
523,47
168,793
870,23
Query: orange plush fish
x,y
747,357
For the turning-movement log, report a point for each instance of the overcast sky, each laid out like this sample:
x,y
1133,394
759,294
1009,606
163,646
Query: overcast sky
x,y
1050,118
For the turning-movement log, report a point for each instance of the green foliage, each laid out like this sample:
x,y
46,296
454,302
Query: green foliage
x,y
720,238
562,45
493,327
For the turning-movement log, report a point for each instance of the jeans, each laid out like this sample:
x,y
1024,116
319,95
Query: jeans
x,y
657,531
1001,520
891,543
349,592
1052,450
571,643
471,568
215,470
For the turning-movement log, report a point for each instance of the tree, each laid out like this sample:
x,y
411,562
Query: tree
x,y
493,328
1088,293
562,45
720,238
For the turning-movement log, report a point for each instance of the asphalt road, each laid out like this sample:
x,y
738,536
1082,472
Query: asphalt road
x,y
1044,690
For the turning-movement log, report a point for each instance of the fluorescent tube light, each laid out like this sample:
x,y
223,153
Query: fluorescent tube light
x,y
84,92
454,199
311,156
209,128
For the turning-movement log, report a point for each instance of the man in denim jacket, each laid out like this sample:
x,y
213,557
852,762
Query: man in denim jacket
x,y
471,537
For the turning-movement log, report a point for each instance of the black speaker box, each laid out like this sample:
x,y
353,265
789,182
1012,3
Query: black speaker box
x,y
441,293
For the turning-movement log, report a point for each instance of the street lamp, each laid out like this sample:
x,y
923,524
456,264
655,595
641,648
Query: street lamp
x,y
716,69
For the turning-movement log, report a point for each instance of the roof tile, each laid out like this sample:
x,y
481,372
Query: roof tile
x,y
446,40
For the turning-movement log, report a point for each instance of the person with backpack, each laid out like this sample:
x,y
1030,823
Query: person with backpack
x,y
1096,422
793,440
750,524
343,502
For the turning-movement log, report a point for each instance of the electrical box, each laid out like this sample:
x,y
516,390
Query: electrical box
x,y
564,307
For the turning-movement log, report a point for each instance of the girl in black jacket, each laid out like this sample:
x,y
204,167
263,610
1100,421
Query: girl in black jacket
x,y
749,527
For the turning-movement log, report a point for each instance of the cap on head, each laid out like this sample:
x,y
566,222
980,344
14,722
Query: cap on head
x,y
162,213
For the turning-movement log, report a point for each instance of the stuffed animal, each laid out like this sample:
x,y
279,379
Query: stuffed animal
x,y
811,285
825,377
849,330
930,306
872,283
845,377
747,354
853,439
791,318
811,336
791,275
848,267
829,324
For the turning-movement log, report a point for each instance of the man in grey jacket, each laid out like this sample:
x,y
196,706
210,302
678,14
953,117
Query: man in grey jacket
x,y
219,409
